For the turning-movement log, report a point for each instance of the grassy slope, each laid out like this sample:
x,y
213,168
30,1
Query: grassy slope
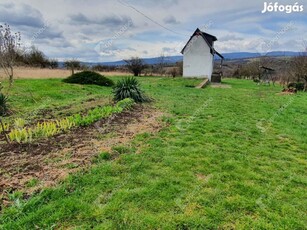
x,y
29,97
215,166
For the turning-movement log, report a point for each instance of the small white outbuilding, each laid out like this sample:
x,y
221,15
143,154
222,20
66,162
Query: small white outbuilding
x,y
198,55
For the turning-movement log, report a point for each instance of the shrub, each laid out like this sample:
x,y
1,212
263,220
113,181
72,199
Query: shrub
x,y
89,78
129,88
299,85
3,104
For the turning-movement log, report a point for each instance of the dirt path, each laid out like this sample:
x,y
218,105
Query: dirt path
x,y
49,161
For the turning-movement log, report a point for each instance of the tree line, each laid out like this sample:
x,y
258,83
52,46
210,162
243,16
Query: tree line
x,y
285,70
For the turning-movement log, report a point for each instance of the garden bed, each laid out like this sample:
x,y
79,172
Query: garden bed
x,y
32,166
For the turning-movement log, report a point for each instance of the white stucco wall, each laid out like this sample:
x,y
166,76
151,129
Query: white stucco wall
x,y
197,59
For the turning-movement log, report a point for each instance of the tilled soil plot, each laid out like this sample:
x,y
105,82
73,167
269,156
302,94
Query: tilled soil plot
x,y
48,161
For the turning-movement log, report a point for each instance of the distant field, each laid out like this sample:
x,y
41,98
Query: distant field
x,y
38,73
226,158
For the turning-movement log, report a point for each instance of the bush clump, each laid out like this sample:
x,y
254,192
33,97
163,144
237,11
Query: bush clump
x,y
89,78
129,88
298,85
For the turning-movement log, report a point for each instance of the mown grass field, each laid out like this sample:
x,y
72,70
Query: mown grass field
x,y
30,97
227,158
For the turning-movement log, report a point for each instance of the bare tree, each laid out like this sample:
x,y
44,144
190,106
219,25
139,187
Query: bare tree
x,y
254,69
285,75
161,64
179,65
299,68
35,57
9,46
251,70
135,65
173,72
53,63
72,65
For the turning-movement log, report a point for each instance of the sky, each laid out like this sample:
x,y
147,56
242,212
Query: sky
x,y
111,30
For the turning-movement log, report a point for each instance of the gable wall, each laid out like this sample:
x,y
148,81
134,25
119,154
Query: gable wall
x,y
197,59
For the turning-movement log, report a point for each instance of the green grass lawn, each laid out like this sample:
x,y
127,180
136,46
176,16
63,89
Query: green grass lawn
x,y
230,158
30,97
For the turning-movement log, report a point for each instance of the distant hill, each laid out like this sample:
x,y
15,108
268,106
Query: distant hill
x,y
240,55
174,59
229,56
149,61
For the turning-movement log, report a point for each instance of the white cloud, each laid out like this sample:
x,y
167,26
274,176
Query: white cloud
x,y
75,27
170,19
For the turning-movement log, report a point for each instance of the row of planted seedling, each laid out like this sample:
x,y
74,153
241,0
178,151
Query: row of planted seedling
x,y
21,134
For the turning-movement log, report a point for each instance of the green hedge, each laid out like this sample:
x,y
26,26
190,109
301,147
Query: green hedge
x,y
89,78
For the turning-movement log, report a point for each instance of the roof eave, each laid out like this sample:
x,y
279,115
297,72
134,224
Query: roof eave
x,y
218,54
212,50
